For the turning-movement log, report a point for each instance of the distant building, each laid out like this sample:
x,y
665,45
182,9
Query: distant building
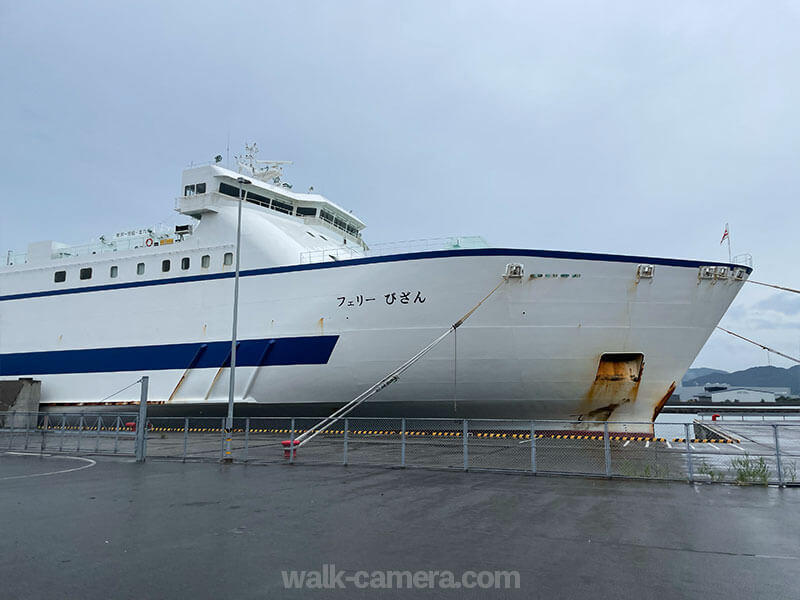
x,y
722,392
736,395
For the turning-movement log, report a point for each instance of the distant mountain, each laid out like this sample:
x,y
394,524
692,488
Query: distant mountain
x,y
752,377
700,372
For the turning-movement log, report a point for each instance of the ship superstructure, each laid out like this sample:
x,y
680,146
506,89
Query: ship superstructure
x,y
583,336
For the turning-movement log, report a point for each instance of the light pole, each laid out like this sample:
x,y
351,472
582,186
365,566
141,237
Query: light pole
x,y
228,458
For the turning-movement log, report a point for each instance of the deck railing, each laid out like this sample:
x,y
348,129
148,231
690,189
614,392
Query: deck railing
x,y
347,252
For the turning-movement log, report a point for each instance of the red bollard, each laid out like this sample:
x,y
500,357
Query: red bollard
x,y
714,417
287,448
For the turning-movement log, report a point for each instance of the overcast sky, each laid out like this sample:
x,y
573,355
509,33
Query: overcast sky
x,y
624,127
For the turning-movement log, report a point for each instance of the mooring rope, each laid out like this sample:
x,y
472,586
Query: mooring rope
x,y
122,390
772,285
767,348
311,433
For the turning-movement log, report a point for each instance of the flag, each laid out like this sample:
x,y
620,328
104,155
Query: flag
x,y
724,235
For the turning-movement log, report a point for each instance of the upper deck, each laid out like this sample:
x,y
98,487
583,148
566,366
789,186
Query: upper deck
x,y
202,187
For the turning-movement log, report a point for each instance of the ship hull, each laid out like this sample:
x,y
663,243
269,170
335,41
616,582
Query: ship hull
x,y
315,336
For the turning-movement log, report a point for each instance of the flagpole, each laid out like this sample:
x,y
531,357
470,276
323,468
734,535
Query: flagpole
x,y
727,228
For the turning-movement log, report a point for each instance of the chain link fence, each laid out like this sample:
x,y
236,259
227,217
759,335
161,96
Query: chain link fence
x,y
730,451
72,433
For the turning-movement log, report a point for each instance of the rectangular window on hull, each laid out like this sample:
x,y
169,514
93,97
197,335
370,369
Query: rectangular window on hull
x,y
86,273
227,260
165,266
140,269
113,272
205,261
60,276
185,263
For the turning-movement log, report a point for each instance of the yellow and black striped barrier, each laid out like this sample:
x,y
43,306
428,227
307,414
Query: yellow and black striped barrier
x,y
412,433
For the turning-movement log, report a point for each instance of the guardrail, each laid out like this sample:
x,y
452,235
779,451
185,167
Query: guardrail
x,y
702,451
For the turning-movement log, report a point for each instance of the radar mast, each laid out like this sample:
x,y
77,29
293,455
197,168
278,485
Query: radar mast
x,y
269,171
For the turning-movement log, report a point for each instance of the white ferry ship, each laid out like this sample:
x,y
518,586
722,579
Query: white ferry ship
x,y
570,335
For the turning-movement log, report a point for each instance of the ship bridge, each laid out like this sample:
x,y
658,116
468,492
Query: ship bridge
x,y
207,187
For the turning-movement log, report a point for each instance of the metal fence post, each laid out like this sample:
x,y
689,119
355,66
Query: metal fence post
x,y
185,437
11,436
465,433
45,425
63,430
116,434
141,424
246,437
80,433
403,443
689,465
223,445
607,446
27,429
778,455
533,447
346,437
97,438
291,443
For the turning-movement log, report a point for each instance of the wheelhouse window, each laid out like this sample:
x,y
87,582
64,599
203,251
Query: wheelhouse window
x,y
60,276
194,188
165,266
253,198
140,269
227,260
205,261
185,262
283,207
86,273
306,211
113,272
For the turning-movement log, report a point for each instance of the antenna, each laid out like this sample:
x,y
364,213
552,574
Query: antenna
x,y
265,170
228,151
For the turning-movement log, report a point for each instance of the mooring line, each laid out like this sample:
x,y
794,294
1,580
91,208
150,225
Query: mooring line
x,y
767,348
777,287
312,432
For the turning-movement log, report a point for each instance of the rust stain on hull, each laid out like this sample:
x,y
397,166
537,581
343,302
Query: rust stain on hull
x,y
616,384
663,401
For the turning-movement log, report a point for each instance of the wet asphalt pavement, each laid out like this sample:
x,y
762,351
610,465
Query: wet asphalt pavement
x,y
116,529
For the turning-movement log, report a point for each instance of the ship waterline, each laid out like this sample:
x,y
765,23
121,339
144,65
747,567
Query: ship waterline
x,y
577,336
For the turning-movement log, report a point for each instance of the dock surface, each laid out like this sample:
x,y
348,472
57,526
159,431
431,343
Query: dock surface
x,y
106,527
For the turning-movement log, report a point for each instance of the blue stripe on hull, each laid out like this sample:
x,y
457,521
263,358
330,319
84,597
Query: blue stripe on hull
x,y
672,262
313,350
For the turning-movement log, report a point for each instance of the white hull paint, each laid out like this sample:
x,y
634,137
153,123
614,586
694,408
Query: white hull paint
x,y
533,348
